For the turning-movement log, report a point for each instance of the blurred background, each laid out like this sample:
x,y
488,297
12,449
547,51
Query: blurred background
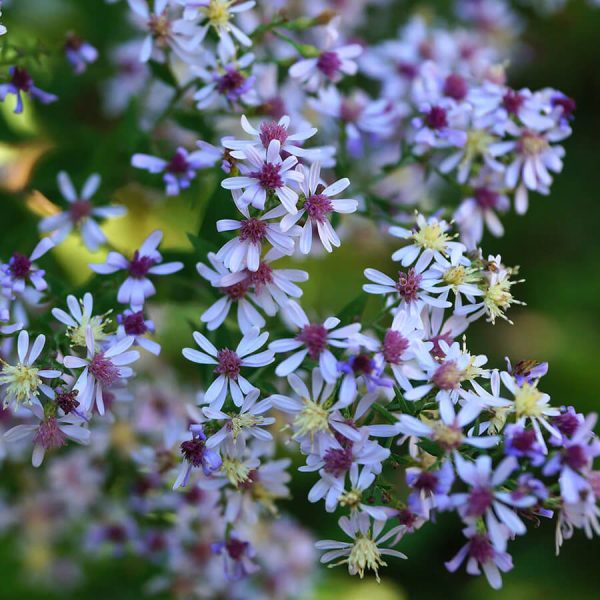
x,y
557,245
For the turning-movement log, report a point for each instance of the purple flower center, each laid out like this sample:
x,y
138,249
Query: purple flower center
x,y
426,481
103,370
447,376
575,457
524,440
230,82
49,434
485,198
512,101
236,291
193,451
329,64
251,479
437,351
362,364
436,118
160,27
407,518
567,104
253,229
318,206
338,460
314,337
20,265
134,323
116,533
236,548
269,176
350,111
74,42
272,131
262,276
178,163
140,265
67,401
21,79
455,87
408,284
79,210
394,345
480,499
567,423
229,363
407,70
481,549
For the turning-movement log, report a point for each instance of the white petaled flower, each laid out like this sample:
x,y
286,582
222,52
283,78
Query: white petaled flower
x,y
364,552
229,364
80,318
266,174
50,433
317,208
133,323
428,239
313,339
21,270
101,370
80,214
439,126
249,422
244,251
23,381
145,261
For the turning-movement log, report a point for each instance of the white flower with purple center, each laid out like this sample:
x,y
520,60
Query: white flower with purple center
x,y
313,340
361,368
21,83
229,364
133,323
266,175
439,126
481,555
145,261
486,498
79,53
101,370
237,556
50,433
363,553
437,329
244,251
180,170
317,207
80,213
431,488
23,381
21,270
196,454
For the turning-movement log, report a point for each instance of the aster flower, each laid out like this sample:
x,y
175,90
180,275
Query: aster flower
x,y
80,213
196,455
237,554
527,371
101,370
79,53
145,261
364,552
244,251
522,443
134,323
318,206
21,270
181,169
440,126
80,318
481,555
361,367
21,83
431,488
229,365
23,382
50,433
313,340
267,174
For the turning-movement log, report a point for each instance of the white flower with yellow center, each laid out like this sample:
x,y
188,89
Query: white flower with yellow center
x,y
364,552
23,381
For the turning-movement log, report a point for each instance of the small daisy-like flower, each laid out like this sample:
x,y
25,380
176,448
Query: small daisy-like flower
x,y
266,174
364,552
439,126
50,433
23,381
21,83
181,169
244,251
317,207
145,261
21,270
80,319
101,370
133,323
196,455
313,339
428,239
79,53
237,556
229,364
80,213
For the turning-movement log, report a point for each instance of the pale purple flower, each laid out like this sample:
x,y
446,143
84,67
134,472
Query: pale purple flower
x,y
522,443
431,488
196,454
80,213
237,555
21,270
134,323
440,126
145,261
21,83
79,53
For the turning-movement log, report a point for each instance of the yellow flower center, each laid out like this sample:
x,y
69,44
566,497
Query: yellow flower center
x,y
21,381
77,334
445,436
217,13
455,275
431,236
311,420
527,401
351,498
243,421
365,555
236,471
532,144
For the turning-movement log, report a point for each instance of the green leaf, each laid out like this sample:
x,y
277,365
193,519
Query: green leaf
x,y
353,311
162,72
